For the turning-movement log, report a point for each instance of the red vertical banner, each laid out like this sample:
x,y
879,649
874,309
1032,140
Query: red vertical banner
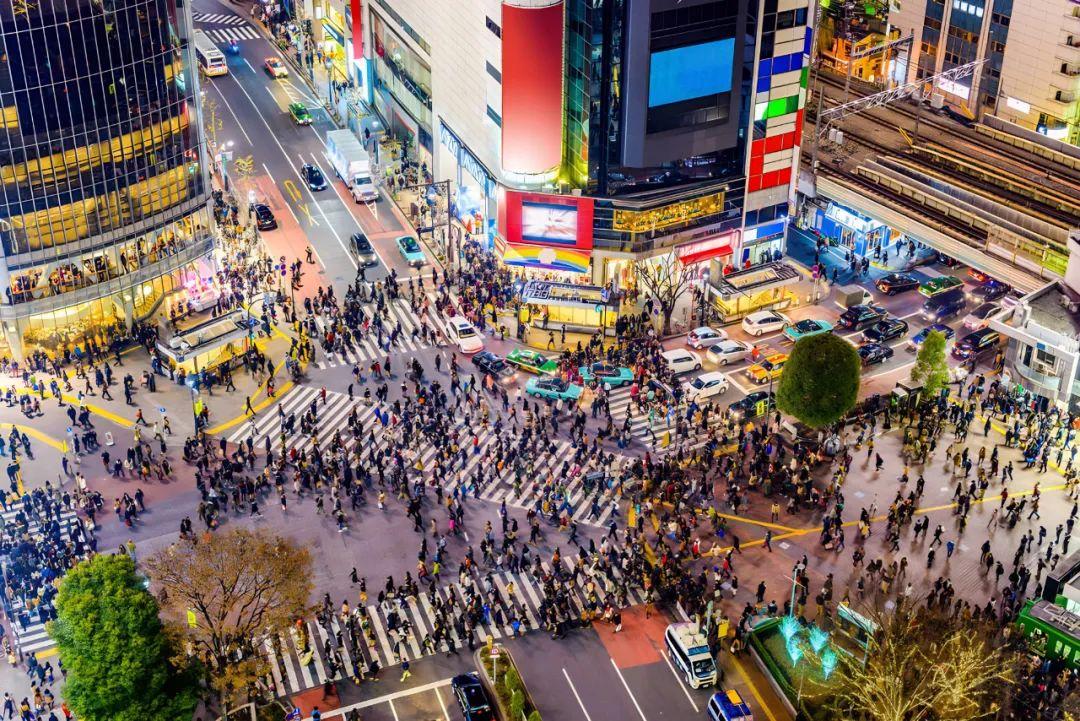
x,y
532,86
356,11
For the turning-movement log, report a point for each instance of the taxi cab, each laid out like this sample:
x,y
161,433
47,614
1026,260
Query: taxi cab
x,y
728,706
767,369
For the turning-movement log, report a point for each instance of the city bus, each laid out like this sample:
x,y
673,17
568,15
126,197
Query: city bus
x,y
211,60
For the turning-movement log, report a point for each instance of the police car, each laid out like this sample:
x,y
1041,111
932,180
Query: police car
x,y
728,706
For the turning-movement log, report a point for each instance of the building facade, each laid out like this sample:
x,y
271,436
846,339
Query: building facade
x,y
1031,76
104,211
583,135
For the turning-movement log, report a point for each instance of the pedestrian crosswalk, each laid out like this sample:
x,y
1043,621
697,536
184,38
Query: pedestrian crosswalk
x,y
333,417
26,624
374,346
218,19
546,476
227,35
399,629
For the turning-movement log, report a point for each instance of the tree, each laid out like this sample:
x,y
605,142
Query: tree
x,y
114,648
666,279
820,381
923,664
930,370
237,587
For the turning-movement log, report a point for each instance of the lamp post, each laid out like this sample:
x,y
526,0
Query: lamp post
x,y
794,585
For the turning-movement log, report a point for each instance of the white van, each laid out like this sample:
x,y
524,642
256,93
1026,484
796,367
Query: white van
x,y
689,651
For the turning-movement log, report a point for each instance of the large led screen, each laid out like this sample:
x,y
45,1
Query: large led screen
x,y
692,71
549,223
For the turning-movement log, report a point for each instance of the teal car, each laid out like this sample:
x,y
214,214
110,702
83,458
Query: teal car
x,y
410,251
807,328
553,388
532,361
607,374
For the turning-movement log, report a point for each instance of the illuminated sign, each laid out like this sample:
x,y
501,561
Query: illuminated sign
x,y
1017,104
545,220
954,88
548,223
643,221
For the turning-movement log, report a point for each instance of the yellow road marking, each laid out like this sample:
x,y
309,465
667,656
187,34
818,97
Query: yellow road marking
x,y
35,433
753,689
292,190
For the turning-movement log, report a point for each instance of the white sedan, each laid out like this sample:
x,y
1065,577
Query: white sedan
x,y
704,337
681,361
706,386
464,334
765,321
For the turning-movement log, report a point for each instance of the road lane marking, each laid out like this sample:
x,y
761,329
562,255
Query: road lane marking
x,y
233,114
269,174
388,698
288,160
393,711
248,64
753,689
442,704
681,683
628,691
577,696
292,190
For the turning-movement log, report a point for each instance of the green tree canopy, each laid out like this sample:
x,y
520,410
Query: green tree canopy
x,y
931,371
820,381
113,645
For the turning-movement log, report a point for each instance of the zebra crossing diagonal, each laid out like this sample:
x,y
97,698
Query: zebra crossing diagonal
x,y
367,349
218,19
333,417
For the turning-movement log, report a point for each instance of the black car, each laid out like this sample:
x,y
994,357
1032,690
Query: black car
x,y
944,306
264,217
313,177
989,291
472,698
858,317
872,353
754,404
895,283
493,365
886,330
976,344
365,254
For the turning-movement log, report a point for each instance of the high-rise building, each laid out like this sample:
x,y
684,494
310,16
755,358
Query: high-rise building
x,y
1031,49
104,209
584,135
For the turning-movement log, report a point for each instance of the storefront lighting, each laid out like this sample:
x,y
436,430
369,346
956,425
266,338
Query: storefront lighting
x,y
642,221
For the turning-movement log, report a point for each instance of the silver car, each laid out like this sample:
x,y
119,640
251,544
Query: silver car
x,y
727,351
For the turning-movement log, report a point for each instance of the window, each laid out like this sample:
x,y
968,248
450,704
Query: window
x,y
494,72
495,117
493,27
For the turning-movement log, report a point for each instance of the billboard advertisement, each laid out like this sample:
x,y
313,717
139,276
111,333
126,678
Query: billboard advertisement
x,y
553,221
532,85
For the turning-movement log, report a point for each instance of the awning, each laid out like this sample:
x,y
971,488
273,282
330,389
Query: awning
x,y
756,280
702,250
568,294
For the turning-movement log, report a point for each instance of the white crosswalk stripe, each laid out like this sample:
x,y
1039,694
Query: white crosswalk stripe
x,y
29,631
332,417
330,653
218,19
367,350
227,35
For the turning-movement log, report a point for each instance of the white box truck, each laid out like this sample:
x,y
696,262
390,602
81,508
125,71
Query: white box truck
x,y
352,164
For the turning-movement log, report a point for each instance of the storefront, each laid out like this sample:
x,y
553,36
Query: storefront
x,y
763,243
699,254
764,287
551,306
474,188
852,230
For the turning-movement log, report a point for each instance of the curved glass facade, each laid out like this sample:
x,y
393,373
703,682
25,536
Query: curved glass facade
x,y
103,186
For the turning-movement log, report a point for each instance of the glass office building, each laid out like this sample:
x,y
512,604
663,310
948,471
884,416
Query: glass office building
x,y
104,211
